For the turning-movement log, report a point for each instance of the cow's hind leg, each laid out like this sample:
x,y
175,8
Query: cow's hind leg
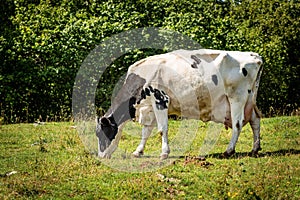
x,y
255,125
237,116
146,132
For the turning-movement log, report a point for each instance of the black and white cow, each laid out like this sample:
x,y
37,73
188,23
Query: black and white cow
x,y
211,85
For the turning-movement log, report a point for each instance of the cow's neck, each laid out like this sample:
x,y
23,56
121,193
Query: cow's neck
x,y
122,111
122,107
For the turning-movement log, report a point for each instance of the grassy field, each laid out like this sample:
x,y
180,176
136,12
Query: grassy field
x,y
50,162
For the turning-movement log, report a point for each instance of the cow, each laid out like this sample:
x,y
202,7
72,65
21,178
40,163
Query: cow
x,y
205,84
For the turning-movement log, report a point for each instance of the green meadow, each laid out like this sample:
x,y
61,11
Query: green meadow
x,y
50,161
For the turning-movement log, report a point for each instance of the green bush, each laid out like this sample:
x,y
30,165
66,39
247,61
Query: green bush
x,y
43,43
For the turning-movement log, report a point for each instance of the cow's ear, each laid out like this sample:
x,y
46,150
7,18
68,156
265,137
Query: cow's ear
x,y
105,121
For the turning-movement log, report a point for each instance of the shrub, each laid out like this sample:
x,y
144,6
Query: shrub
x,y
43,43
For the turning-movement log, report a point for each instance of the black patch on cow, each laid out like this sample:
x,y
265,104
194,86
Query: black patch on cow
x,y
143,96
132,109
113,125
106,132
215,79
161,99
151,88
147,91
249,91
198,60
238,125
160,107
194,65
157,94
245,72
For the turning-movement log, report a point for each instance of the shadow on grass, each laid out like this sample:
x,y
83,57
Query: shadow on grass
x,y
237,155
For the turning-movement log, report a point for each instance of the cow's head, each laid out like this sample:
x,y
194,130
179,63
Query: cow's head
x,y
106,131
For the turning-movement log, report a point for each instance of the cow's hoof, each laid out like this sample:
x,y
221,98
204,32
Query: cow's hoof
x,y
228,154
137,154
254,153
164,156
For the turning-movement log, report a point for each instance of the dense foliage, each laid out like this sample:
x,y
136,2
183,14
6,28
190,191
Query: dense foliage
x,y
44,42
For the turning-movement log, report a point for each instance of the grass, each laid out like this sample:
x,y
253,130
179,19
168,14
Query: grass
x,y
50,162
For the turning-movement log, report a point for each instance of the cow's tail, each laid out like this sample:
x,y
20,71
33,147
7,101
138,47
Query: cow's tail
x,y
255,90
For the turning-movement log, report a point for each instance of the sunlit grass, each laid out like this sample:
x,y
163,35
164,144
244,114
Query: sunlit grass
x,y
50,162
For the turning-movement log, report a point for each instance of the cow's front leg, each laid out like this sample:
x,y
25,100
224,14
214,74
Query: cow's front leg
x,y
165,144
162,126
160,104
146,132
237,116
255,126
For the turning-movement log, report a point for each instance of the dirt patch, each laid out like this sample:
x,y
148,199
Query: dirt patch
x,y
196,160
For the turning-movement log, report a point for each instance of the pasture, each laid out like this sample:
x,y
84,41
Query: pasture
x,y
50,162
